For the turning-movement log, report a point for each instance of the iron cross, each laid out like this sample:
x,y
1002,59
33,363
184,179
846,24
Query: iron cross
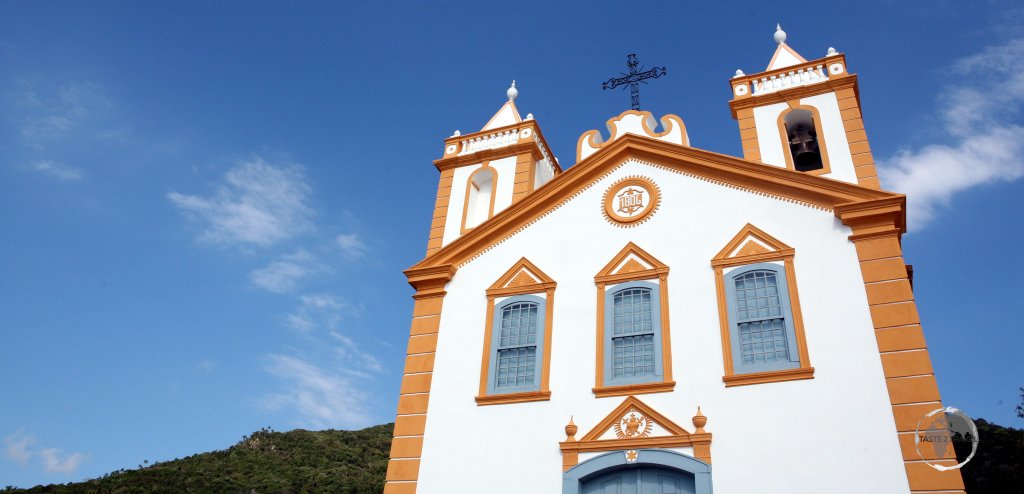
x,y
634,78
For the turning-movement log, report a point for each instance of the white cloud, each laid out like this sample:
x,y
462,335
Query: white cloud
x,y
985,145
284,275
49,113
55,461
206,365
57,170
320,310
351,245
258,203
322,398
19,447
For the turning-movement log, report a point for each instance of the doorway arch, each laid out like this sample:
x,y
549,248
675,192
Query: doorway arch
x,y
656,467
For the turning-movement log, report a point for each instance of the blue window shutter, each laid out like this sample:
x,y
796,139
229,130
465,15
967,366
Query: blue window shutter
x,y
517,345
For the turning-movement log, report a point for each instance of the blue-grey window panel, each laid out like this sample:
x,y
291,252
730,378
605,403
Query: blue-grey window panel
x,y
517,345
761,329
632,334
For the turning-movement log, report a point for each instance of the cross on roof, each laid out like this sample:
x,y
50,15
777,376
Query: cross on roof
x,y
634,78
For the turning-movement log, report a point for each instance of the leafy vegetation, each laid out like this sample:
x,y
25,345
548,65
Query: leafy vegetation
x,y
354,462
295,462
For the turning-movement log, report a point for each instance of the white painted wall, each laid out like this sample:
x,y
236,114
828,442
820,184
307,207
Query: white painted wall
x,y
772,148
834,433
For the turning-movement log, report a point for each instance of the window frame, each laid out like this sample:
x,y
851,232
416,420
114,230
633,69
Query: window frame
x,y
609,336
540,344
793,360
631,264
522,282
749,248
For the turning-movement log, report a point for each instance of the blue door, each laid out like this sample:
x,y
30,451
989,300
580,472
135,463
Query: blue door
x,y
642,480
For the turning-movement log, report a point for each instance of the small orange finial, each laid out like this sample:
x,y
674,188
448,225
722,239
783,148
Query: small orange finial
x,y
699,421
570,430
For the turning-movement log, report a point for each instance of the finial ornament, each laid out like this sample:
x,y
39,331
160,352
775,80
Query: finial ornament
x,y
529,116
512,92
699,421
570,430
831,51
457,133
739,73
780,35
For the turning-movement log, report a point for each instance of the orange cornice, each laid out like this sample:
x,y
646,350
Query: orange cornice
x,y
786,184
879,217
430,280
833,84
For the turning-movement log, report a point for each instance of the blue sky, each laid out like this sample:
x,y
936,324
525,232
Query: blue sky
x,y
206,207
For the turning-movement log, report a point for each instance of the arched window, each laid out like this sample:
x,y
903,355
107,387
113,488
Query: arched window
x,y
761,319
805,149
479,197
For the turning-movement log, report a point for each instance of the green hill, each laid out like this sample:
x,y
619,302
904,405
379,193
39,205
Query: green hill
x,y
354,462
295,462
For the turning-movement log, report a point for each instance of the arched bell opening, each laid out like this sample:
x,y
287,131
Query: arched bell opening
x,y
645,471
801,131
479,197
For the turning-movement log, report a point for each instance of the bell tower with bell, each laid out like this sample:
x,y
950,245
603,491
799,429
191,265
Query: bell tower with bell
x,y
804,116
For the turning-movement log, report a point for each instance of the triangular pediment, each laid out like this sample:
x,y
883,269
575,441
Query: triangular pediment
x,y
752,243
634,419
785,57
522,277
632,262
727,171
508,114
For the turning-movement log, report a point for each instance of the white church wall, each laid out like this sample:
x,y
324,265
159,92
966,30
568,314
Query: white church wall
x,y
506,168
766,118
839,423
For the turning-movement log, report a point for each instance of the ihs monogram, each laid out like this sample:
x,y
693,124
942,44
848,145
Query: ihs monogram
x,y
633,424
631,200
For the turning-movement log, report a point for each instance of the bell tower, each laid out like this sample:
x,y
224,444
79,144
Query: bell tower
x,y
804,115
485,172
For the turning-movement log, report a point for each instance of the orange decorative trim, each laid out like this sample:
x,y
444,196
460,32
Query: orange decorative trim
x,y
634,389
909,376
732,255
631,413
769,377
437,224
503,399
775,56
593,137
830,85
616,272
410,420
521,279
626,196
826,167
725,170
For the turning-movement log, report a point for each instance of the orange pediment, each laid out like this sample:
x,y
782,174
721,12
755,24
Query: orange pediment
x,y
751,244
522,277
631,263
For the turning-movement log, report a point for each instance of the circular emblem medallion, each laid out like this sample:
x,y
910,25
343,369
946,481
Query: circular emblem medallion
x,y
630,201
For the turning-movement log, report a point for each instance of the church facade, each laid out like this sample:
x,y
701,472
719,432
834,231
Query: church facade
x,y
659,318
